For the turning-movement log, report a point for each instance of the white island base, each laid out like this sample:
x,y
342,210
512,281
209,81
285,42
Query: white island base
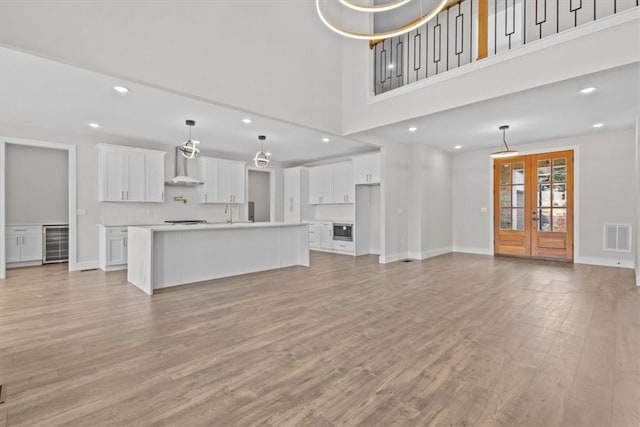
x,y
171,255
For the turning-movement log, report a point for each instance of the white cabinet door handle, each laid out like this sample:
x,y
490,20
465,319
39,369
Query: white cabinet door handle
x,y
17,240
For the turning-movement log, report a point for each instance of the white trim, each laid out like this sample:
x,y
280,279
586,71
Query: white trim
x,y
605,262
86,265
638,279
430,253
272,191
128,148
73,236
386,259
470,250
531,47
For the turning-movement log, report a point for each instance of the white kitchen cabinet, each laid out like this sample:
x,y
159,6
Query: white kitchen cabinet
x,y
344,190
366,168
23,244
128,174
113,242
224,180
296,189
326,235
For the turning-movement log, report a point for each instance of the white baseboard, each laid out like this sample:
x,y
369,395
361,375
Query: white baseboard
x,y
605,262
84,265
23,264
431,253
386,259
470,250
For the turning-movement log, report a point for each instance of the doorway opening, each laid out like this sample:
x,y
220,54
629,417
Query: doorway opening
x,y
260,206
534,206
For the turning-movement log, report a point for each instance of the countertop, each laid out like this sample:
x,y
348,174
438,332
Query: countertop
x,y
222,226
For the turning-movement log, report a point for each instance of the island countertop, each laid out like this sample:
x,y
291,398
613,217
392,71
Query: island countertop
x,y
217,226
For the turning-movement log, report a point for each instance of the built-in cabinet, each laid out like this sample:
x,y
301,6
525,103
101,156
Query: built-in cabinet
x,y
224,180
366,168
296,194
331,184
129,174
23,244
321,235
113,247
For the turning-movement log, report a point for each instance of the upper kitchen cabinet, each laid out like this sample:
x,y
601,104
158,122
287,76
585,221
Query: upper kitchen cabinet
x,y
128,174
224,180
344,190
367,168
331,184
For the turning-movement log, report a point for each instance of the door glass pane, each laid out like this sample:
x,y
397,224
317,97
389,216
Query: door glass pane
x,y
505,196
560,220
559,170
505,219
544,195
560,195
518,196
505,174
518,173
518,219
544,170
544,219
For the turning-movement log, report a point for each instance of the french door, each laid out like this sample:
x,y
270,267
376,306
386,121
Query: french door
x,y
533,205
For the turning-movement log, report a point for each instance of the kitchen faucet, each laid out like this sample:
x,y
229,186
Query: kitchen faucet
x,y
227,208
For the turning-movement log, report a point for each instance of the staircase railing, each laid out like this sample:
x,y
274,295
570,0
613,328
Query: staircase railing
x,y
471,30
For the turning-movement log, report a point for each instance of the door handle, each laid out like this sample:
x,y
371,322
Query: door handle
x,y
17,240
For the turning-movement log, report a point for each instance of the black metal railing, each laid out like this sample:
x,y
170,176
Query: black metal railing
x,y
451,39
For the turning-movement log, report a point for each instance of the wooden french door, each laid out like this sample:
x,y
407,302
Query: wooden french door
x,y
533,205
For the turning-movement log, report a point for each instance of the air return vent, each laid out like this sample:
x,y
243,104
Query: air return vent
x,y
617,237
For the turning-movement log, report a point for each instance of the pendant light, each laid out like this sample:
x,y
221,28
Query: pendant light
x,y
506,152
189,148
261,160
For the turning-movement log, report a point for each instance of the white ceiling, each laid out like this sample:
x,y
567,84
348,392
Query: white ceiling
x,y
554,111
41,93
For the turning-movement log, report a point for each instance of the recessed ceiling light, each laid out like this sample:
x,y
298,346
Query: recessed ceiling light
x,y
246,121
391,66
413,129
94,125
325,139
120,89
598,125
587,90
268,154
457,147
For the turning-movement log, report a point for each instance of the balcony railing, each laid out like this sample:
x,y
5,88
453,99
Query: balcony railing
x,y
471,30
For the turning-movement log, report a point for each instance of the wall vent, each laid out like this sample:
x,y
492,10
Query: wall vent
x,y
617,237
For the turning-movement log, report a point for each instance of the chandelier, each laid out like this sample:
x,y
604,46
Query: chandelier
x,y
380,8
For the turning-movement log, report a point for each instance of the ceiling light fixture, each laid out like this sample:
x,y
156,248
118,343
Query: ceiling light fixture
x,y
261,160
588,90
189,148
94,125
413,129
409,26
325,140
120,89
506,152
391,66
457,147
246,121
598,125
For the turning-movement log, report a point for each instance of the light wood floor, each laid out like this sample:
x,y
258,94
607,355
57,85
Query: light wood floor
x,y
455,340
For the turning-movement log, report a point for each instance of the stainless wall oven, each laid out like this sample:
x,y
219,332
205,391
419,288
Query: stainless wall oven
x,y
343,231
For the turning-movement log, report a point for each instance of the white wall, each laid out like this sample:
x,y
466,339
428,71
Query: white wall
x,y
637,223
37,185
555,59
259,192
270,57
604,181
394,199
131,213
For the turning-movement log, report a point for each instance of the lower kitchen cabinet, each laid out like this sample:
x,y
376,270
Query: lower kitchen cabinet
x,y
113,247
321,238
23,245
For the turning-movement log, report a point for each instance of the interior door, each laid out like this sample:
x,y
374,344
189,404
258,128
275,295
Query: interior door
x,y
533,206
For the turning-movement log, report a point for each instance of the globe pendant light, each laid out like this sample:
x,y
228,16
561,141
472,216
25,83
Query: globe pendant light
x,y
189,148
261,160
506,152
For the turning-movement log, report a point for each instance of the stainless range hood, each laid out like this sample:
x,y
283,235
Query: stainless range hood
x,y
182,178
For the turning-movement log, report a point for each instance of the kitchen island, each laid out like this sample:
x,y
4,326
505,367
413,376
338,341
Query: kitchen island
x,y
161,256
